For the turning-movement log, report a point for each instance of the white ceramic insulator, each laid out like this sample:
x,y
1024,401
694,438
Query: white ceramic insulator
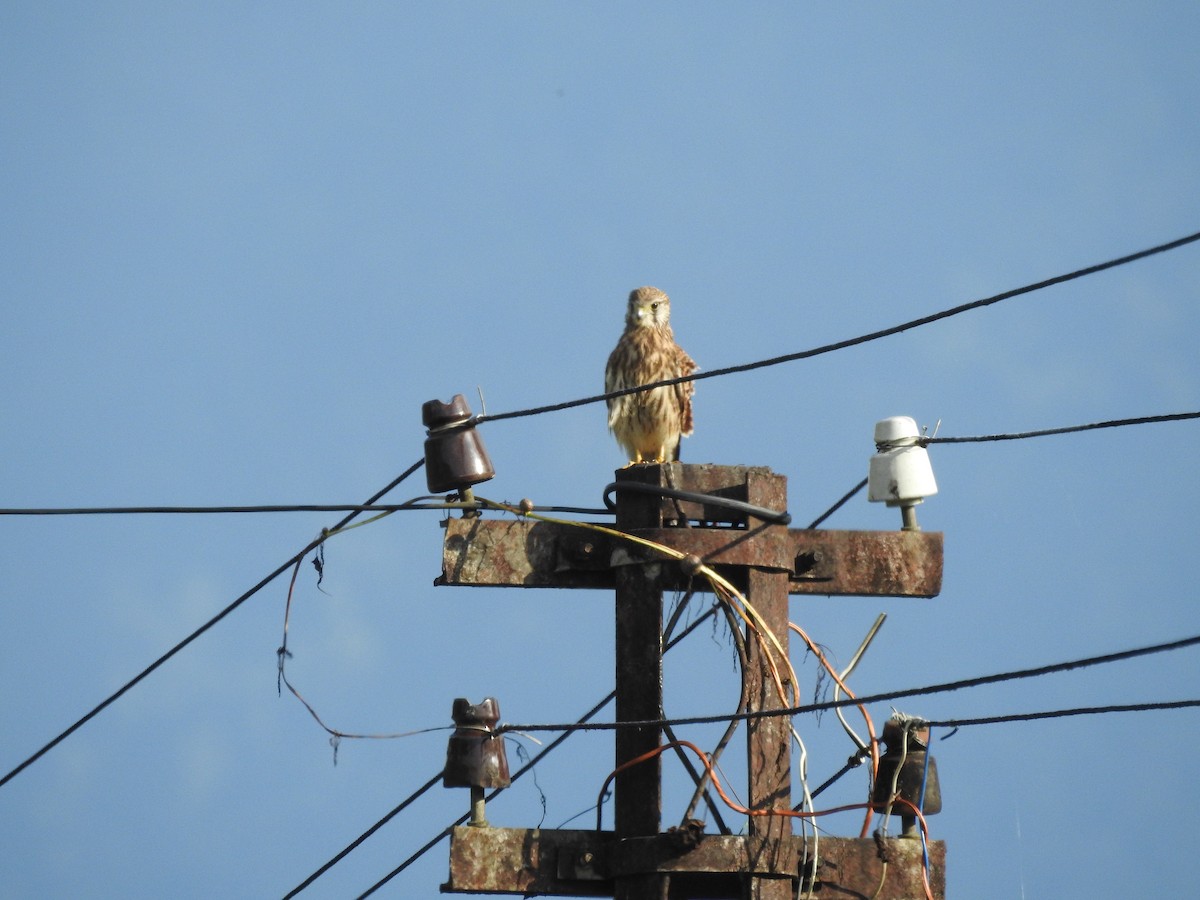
x,y
900,473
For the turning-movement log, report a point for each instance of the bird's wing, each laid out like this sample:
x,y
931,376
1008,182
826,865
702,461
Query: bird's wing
x,y
684,365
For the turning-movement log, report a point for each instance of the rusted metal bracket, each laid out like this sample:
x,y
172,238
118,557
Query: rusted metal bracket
x,y
584,863
526,553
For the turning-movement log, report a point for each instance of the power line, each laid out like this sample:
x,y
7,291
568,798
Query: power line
x,y
1064,713
846,497
433,842
1069,429
944,687
203,628
419,503
362,837
954,724
850,342
200,510
437,503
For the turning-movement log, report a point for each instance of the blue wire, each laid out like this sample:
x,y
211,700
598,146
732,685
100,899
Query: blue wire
x,y
921,801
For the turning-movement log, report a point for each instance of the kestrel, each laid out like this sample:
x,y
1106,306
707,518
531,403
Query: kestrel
x,y
649,424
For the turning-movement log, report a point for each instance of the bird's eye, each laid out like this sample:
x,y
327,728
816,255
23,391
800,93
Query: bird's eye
x,y
654,305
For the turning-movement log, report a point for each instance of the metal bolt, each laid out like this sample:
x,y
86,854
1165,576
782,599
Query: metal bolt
x,y
478,815
807,560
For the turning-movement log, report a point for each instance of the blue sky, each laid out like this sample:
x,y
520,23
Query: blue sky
x,y
241,244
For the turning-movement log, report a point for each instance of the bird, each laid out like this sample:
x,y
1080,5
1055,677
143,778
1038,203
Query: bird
x,y
649,424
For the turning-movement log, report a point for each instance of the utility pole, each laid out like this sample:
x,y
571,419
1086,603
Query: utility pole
x,y
766,561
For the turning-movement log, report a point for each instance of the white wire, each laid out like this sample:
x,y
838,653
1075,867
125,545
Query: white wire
x,y
845,673
807,803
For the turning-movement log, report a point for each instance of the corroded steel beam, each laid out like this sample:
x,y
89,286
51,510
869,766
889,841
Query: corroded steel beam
x,y
526,553
583,863
867,563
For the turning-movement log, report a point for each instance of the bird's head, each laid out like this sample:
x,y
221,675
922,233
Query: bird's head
x,y
648,308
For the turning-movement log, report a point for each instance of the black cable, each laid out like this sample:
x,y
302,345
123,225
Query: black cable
x,y
362,837
851,342
433,842
1069,429
845,499
419,503
415,504
852,763
203,628
198,510
759,512
857,759
945,687
1063,713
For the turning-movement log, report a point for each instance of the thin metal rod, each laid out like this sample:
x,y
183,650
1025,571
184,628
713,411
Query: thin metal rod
x,y
845,673
862,648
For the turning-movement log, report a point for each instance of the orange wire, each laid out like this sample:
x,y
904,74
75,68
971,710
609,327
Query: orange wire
x,y
737,807
874,742
925,834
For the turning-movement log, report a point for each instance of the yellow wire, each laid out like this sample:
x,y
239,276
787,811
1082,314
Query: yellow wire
x,y
328,534
758,626
744,608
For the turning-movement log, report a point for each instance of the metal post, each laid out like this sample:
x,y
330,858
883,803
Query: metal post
x,y
768,740
638,801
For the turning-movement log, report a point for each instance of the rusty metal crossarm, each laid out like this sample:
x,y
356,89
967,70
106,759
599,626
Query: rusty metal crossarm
x,y
584,863
524,553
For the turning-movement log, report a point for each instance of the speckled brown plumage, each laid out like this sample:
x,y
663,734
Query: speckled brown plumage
x,y
648,425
